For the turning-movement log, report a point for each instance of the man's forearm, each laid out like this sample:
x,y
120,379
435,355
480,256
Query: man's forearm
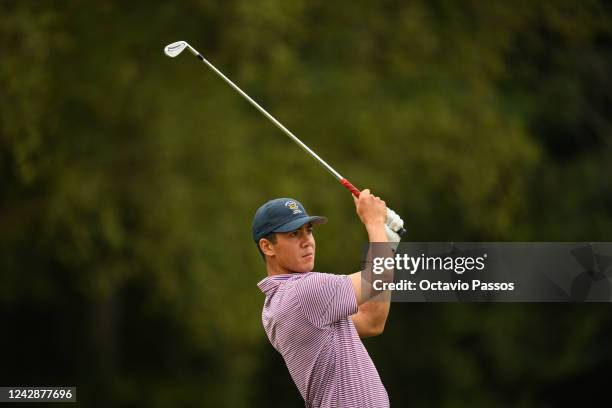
x,y
376,232
377,307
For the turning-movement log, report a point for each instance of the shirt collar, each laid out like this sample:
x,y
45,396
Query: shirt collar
x,y
270,282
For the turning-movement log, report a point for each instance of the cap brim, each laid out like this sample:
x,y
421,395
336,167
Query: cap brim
x,y
297,223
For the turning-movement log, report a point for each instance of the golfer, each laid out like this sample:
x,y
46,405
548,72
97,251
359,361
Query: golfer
x,y
315,320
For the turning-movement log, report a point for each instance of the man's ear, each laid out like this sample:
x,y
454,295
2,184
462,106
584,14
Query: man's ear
x,y
266,247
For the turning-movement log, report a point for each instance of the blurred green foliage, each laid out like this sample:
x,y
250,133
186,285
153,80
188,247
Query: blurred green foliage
x,y
129,181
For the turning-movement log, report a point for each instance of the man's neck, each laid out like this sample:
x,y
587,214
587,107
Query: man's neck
x,y
274,270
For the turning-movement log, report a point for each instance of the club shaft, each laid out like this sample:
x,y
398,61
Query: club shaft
x,y
347,184
269,116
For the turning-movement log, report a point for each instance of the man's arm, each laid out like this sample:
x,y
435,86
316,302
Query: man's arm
x,y
372,314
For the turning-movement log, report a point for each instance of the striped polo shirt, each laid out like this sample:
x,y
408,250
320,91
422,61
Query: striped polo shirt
x,y
307,317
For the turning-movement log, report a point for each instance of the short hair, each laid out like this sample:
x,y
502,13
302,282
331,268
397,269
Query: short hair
x,y
270,237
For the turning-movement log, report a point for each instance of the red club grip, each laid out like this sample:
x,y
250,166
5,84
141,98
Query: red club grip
x,y
350,187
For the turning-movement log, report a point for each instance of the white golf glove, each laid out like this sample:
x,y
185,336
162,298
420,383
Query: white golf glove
x,y
392,236
394,222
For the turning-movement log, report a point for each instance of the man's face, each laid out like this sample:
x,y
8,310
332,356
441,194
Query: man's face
x,y
295,251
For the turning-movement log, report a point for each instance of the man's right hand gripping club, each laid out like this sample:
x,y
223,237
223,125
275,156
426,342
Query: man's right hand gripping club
x,y
376,217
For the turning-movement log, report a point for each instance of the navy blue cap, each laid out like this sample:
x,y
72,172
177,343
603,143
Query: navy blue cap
x,y
281,215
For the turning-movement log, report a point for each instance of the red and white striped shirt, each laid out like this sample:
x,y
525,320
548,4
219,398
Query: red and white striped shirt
x,y
307,317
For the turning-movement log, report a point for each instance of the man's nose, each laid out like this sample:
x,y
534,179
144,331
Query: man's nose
x,y
307,240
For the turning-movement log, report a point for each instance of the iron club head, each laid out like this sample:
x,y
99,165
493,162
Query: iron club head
x,y
174,49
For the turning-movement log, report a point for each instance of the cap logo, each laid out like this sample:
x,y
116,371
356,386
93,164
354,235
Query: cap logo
x,y
293,207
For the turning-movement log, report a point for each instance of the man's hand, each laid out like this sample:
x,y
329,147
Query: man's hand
x,y
370,208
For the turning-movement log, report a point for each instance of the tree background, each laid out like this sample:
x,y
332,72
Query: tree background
x,y
129,182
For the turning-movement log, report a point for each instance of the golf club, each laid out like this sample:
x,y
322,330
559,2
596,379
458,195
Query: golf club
x,y
176,48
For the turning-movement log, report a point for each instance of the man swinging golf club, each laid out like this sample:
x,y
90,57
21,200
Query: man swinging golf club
x,y
315,320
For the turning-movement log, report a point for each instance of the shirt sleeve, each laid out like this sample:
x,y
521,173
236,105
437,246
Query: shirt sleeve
x,y
326,298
